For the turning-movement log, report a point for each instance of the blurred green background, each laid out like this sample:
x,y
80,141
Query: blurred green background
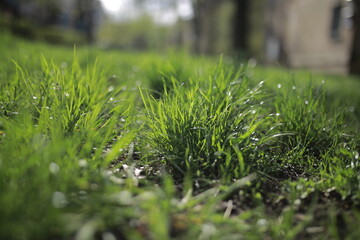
x,y
318,35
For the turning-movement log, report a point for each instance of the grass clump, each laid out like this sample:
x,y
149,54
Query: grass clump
x,y
206,127
304,131
59,128
161,74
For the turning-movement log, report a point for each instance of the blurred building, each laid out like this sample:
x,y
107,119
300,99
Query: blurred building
x,y
309,34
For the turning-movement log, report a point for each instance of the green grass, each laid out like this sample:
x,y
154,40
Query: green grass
x,y
203,127
112,145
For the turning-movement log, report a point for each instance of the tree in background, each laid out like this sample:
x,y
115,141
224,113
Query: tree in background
x,y
85,17
10,7
354,64
229,26
50,11
204,24
53,20
241,26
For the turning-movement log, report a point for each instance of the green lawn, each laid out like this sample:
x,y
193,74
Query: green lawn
x,y
111,145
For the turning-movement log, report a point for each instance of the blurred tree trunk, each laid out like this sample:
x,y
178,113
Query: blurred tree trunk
x,y
204,23
10,7
241,26
354,64
84,18
51,9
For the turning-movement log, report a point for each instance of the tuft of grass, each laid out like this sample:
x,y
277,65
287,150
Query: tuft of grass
x,y
206,127
304,131
59,128
161,73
